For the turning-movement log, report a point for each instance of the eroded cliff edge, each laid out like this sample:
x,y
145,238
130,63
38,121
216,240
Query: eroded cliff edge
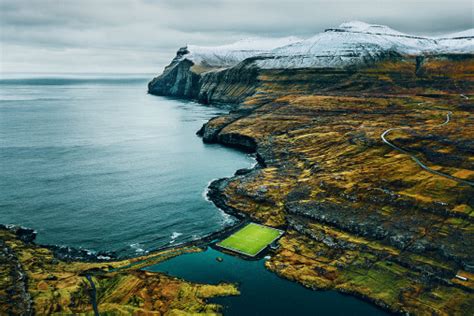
x,y
229,86
360,217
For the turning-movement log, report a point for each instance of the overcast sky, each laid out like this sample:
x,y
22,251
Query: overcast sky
x,y
143,35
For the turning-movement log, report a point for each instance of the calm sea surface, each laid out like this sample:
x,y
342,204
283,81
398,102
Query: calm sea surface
x,y
95,162
261,291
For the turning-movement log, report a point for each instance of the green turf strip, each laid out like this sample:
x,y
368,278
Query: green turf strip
x,y
251,239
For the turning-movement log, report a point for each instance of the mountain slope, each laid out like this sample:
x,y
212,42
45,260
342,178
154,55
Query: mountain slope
x,y
231,54
347,44
230,73
460,42
356,43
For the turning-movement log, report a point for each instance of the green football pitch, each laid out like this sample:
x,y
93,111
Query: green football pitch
x,y
251,239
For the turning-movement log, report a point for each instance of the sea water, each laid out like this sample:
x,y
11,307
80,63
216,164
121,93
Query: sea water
x,y
95,162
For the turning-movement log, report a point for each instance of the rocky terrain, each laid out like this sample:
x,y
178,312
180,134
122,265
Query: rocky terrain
x,y
34,282
361,217
230,73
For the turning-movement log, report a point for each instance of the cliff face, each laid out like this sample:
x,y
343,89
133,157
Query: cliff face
x,y
228,86
361,217
178,80
344,57
389,73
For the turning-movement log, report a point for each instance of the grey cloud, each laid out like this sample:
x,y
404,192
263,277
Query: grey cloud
x,y
143,35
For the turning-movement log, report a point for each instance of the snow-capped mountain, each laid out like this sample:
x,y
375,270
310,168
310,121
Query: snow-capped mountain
x,y
460,42
358,42
231,54
348,44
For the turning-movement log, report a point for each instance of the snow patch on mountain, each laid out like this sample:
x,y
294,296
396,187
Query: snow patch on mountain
x,y
357,42
358,26
460,42
458,35
231,54
350,43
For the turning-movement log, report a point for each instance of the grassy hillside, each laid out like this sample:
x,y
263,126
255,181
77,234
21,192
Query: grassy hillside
x,y
362,217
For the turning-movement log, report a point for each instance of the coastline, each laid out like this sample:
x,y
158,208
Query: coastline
x,y
347,200
213,194
216,194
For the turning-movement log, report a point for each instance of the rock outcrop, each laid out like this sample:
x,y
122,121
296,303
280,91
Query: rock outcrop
x,y
228,86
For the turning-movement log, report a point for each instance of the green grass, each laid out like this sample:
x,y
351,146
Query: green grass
x,y
251,239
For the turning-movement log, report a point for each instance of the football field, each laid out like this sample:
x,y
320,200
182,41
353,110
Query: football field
x,y
251,239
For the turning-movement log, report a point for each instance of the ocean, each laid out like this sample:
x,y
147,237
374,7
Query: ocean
x,y
94,162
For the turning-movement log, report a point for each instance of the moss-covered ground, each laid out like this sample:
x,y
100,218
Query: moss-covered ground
x,y
362,217
58,287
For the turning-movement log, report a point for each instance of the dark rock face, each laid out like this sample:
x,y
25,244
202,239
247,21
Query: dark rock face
x,y
225,87
177,81
231,86
25,234
213,127
243,171
238,141
69,254
216,195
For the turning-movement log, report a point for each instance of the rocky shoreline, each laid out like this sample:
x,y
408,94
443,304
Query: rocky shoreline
x,y
33,280
297,222
65,253
360,218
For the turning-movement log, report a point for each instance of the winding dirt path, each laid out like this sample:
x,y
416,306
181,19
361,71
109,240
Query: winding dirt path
x,y
415,159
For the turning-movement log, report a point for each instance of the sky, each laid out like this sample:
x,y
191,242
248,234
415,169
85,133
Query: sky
x,y
142,36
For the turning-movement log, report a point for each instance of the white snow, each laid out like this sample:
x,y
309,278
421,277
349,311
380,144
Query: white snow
x,y
357,42
344,46
465,33
348,44
358,26
231,54
460,42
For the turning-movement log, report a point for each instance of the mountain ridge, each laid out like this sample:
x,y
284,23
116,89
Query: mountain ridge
x,y
357,38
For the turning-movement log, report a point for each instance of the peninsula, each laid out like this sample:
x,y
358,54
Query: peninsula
x,y
363,136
